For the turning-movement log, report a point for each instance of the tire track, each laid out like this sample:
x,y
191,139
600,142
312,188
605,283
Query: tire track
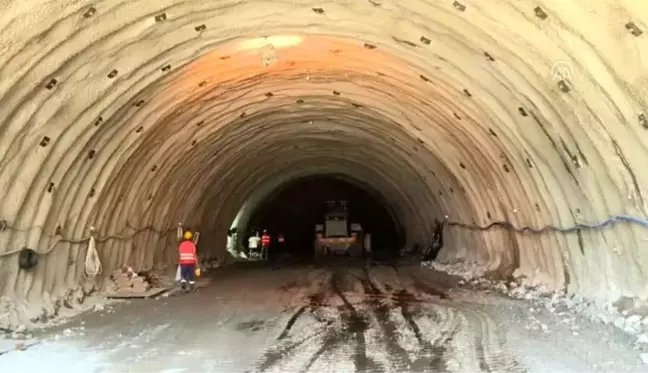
x,y
291,322
339,332
398,355
329,344
489,343
428,289
278,353
355,323
285,348
437,351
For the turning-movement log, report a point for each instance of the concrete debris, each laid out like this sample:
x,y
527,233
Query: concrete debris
x,y
633,325
164,276
467,271
627,314
127,281
157,279
21,316
20,336
644,358
18,333
78,331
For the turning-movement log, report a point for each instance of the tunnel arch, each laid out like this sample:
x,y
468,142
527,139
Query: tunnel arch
x,y
264,196
102,104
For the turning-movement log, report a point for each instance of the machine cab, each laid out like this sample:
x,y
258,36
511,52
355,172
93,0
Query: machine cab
x,y
337,235
336,219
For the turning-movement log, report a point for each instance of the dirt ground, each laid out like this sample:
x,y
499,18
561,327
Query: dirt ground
x,y
335,317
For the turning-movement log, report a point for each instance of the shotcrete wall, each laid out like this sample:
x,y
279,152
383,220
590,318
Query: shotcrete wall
x,y
132,116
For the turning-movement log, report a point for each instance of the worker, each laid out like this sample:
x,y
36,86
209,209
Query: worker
x,y
188,261
253,244
437,242
282,242
265,244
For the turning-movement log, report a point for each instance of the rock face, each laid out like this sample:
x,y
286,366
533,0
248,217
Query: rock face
x,y
626,314
130,117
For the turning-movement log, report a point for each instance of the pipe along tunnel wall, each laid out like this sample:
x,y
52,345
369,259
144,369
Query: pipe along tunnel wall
x,y
132,116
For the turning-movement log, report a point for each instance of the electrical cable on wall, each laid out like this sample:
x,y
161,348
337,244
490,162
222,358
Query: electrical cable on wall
x,y
62,239
507,224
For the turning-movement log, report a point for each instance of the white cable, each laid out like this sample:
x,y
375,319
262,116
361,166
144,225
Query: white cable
x,y
92,262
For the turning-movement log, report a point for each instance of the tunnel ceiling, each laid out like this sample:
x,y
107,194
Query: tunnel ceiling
x,y
132,116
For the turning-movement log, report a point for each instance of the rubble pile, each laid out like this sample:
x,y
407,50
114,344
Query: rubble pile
x,y
467,271
632,320
15,316
158,279
128,281
18,333
627,314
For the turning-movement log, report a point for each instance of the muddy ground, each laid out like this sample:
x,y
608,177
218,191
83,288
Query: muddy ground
x,y
331,317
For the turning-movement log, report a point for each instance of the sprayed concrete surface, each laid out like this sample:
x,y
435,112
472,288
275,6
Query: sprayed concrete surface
x,y
341,318
130,116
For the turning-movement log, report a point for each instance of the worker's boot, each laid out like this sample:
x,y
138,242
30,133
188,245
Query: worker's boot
x,y
192,287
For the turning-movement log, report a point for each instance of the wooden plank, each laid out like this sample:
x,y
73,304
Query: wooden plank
x,y
147,294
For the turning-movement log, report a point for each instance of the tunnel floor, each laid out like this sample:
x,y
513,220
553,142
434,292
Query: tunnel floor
x,y
333,317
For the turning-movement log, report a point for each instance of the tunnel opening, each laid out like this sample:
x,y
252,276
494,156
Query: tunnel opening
x,y
296,208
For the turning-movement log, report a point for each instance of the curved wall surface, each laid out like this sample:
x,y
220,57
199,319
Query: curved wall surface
x,y
131,116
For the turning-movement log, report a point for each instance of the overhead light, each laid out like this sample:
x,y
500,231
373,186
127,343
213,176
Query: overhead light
x,y
268,55
269,45
276,41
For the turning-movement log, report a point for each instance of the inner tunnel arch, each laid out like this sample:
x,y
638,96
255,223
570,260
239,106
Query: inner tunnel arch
x,y
264,197
128,117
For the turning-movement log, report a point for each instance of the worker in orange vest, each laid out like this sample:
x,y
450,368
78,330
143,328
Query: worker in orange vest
x,y
265,244
188,259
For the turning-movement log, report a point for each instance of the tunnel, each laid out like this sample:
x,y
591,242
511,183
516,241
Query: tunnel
x,y
295,209
123,119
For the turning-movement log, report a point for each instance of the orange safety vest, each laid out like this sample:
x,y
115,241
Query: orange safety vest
x,y
265,240
187,250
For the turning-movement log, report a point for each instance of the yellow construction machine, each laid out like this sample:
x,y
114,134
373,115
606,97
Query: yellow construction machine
x,y
337,236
